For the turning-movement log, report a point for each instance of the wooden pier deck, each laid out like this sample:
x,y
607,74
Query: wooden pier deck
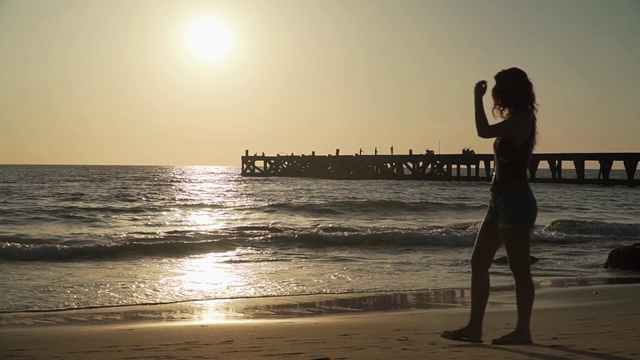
x,y
459,167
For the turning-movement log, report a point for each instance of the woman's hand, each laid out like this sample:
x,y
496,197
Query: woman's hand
x,y
480,89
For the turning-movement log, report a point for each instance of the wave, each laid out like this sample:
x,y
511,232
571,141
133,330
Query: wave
x,y
268,238
94,215
113,251
341,236
369,206
108,209
611,230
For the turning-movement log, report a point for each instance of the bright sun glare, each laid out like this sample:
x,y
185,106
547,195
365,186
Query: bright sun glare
x,y
209,38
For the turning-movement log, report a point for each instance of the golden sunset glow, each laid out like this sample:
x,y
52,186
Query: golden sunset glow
x,y
193,82
208,39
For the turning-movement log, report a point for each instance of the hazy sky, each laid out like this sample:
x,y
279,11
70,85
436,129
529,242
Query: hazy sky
x,y
116,82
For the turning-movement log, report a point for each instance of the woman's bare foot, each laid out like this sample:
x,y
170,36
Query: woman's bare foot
x,y
463,334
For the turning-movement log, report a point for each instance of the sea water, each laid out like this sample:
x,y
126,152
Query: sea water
x,y
74,237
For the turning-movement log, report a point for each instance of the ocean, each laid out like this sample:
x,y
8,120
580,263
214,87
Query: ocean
x,y
79,237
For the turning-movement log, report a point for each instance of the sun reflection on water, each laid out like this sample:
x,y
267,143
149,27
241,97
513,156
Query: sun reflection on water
x,y
205,198
206,275
205,220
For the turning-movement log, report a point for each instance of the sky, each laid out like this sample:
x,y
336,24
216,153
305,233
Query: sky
x,y
163,82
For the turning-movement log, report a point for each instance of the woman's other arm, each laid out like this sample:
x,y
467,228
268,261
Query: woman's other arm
x,y
482,124
518,126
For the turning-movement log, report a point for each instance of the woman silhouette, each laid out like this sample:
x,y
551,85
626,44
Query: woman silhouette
x,y
512,209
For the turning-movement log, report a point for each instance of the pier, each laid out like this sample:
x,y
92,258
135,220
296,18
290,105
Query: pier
x,y
445,167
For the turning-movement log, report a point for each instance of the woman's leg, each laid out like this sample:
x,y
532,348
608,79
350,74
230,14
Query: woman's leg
x,y
517,240
487,243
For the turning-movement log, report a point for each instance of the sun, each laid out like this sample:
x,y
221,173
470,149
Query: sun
x,y
208,38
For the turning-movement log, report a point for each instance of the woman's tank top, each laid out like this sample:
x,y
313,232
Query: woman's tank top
x,y
511,160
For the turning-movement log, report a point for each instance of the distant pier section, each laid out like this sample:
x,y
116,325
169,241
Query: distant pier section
x,y
467,166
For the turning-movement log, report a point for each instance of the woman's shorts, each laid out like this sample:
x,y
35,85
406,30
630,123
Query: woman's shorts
x,y
513,204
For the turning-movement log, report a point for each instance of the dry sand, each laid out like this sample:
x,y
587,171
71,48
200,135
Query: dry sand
x,y
587,322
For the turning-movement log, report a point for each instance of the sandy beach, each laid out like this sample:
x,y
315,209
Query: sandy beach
x,y
585,322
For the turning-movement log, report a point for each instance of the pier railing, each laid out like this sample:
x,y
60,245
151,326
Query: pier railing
x,y
459,167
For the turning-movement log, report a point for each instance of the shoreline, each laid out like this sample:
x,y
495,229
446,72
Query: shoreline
x,y
594,321
279,307
282,307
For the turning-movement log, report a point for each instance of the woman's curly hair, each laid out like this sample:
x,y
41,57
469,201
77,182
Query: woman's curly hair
x,y
513,93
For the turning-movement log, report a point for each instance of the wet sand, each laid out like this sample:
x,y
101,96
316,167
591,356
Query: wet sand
x,y
581,322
